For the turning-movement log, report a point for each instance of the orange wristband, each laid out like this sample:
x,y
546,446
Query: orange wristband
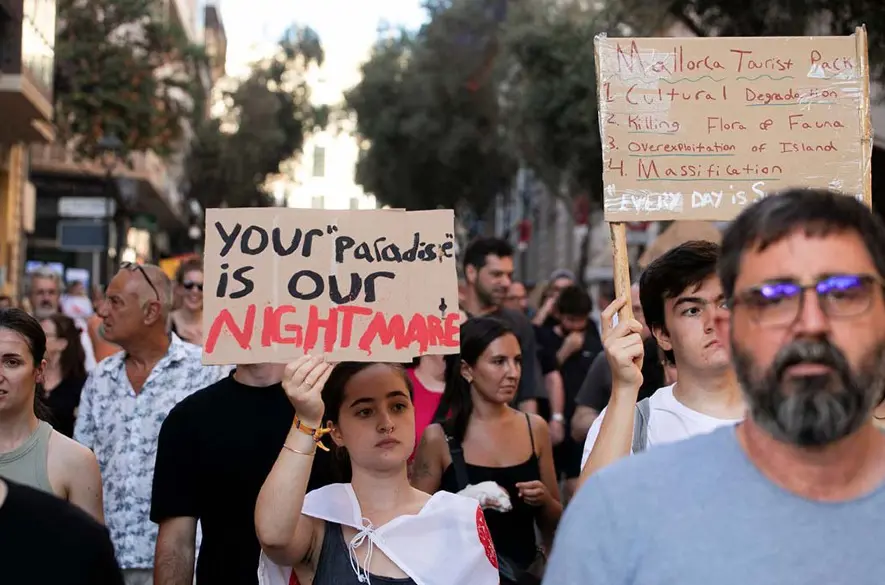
x,y
315,434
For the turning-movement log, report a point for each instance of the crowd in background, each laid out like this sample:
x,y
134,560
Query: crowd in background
x,y
490,459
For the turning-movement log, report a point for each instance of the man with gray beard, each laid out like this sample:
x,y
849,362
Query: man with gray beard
x,y
44,294
796,493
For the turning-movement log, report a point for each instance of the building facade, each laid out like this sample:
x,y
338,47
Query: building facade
x,y
92,215
324,175
27,61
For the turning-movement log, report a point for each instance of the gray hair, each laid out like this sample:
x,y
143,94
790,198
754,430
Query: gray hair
x,y
47,273
158,279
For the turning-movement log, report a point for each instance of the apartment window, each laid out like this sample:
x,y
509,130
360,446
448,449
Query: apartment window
x,y
317,202
354,202
319,161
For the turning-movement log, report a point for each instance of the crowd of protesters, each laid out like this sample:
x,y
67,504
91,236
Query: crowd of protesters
x,y
727,432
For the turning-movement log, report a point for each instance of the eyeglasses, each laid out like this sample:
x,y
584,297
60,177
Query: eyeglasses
x,y
135,266
780,303
190,285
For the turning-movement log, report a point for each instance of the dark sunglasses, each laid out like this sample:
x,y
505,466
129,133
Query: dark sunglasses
x,y
780,302
135,266
190,285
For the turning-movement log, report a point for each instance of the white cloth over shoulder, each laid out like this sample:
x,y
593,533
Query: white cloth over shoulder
x,y
447,542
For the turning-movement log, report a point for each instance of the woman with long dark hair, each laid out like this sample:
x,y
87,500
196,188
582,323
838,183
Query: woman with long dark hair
x,y
365,530
483,442
65,371
31,452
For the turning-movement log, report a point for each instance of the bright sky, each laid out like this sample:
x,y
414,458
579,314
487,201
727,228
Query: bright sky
x,y
347,28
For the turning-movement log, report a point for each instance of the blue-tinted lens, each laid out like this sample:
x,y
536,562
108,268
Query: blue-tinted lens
x,y
839,283
779,290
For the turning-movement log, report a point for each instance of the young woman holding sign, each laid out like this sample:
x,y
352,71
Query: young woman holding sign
x,y
365,530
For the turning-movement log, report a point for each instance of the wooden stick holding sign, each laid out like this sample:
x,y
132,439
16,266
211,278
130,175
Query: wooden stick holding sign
x,y
621,267
690,130
866,123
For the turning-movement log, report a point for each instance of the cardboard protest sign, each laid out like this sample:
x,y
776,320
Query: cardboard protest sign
x,y
698,128
352,285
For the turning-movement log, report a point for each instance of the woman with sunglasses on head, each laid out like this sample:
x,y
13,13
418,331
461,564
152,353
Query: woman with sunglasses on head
x,y
31,452
187,319
490,451
375,528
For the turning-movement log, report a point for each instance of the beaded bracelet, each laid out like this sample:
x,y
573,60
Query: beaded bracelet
x,y
316,434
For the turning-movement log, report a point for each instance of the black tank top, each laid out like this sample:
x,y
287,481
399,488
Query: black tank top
x,y
333,566
513,532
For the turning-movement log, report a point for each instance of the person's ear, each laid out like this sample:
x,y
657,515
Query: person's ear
x,y
40,372
470,274
466,372
663,338
335,433
152,312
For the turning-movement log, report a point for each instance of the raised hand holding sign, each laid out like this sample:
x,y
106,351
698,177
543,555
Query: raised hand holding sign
x,y
303,381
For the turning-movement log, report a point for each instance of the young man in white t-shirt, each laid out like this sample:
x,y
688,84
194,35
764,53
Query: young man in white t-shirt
x,y
681,297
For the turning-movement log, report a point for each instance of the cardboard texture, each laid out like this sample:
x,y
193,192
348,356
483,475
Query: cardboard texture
x,y
698,128
376,285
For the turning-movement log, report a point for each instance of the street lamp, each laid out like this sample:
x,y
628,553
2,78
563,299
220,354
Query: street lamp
x,y
110,150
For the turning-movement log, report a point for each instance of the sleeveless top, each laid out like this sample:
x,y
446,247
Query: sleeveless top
x,y
513,532
27,464
334,565
425,403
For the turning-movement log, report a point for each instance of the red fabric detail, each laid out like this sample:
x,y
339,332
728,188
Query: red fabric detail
x,y
525,231
485,537
581,210
293,579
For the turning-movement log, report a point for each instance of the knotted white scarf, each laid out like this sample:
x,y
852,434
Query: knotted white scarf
x,y
446,542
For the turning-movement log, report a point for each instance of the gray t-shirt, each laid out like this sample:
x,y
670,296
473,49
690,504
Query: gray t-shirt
x,y
698,512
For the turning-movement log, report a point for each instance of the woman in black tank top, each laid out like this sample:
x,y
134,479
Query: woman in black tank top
x,y
364,530
491,442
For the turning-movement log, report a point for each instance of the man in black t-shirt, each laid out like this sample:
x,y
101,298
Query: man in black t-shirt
x,y
215,450
569,347
488,272
596,388
44,539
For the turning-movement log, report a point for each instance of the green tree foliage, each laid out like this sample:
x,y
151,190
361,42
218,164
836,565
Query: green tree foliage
x,y
122,69
427,112
445,112
788,18
268,115
550,96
